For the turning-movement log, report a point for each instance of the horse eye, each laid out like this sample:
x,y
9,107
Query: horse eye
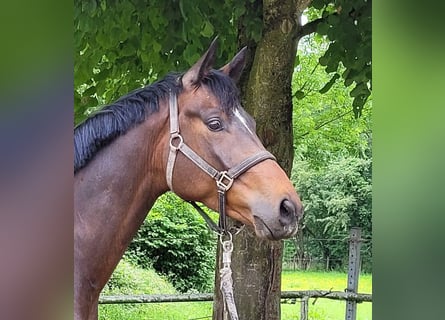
x,y
215,125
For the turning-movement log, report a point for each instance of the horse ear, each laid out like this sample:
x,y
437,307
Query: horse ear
x,y
235,67
195,74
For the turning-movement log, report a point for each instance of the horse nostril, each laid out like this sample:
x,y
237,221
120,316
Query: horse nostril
x,y
287,212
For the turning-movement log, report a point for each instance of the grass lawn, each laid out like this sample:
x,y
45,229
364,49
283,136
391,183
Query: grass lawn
x,y
129,279
323,309
157,311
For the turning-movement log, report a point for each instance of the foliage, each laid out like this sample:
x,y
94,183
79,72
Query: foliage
x,y
122,45
323,123
176,242
347,25
128,278
332,164
336,198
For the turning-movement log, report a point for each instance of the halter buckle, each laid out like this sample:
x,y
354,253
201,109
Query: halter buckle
x,y
224,181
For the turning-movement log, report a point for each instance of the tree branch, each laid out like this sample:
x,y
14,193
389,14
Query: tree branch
x,y
308,79
311,26
325,123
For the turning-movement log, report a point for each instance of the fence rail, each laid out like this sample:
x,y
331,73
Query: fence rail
x,y
163,298
350,295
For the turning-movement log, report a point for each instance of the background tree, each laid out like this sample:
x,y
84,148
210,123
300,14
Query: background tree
x,y
337,197
268,96
332,165
123,45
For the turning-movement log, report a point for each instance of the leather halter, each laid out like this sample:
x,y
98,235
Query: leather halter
x,y
224,179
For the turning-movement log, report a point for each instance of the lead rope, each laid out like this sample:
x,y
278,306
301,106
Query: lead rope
x,y
225,274
223,184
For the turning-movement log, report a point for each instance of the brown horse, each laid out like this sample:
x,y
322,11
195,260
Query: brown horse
x,y
180,133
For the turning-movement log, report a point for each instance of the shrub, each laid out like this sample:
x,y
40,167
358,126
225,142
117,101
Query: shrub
x,y
130,279
176,242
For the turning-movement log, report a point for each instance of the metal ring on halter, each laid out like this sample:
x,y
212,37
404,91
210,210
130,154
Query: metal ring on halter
x,y
176,136
224,181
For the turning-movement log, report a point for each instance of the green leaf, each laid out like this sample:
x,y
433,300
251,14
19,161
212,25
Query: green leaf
x,y
102,75
156,46
318,4
328,85
333,19
90,91
323,28
345,74
239,10
207,30
348,82
128,49
100,88
359,89
299,94
332,65
323,60
296,61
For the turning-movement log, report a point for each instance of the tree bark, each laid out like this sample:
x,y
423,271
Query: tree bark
x,y
256,264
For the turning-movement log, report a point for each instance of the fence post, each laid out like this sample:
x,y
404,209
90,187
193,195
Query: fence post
x,y
353,271
304,310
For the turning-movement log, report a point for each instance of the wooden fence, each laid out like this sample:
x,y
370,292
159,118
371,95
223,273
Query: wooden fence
x,y
350,294
286,296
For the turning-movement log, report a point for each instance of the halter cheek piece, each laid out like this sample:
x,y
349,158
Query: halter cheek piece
x,y
224,179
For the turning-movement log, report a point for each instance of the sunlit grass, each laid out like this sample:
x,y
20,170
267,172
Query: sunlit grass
x,y
157,311
323,309
129,279
318,280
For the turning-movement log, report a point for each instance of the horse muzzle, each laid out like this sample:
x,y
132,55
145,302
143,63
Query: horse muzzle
x,y
285,226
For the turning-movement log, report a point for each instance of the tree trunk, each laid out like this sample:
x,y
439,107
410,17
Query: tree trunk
x,y
256,264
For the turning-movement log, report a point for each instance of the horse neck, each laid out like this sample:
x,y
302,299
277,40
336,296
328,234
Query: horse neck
x,y
132,167
114,192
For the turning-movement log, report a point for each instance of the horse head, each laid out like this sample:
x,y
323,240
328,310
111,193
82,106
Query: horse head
x,y
213,124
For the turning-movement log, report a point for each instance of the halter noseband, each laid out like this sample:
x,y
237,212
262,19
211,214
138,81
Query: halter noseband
x,y
224,179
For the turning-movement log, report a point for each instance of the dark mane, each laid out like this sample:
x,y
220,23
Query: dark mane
x,y
114,120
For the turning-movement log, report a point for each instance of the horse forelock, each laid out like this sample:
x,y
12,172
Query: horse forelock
x,y
224,89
